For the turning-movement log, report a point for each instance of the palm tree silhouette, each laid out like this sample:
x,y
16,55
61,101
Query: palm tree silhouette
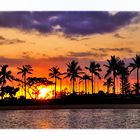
x,y
112,67
94,69
54,73
73,72
108,83
136,65
24,70
85,77
11,91
60,85
79,84
124,73
4,76
135,87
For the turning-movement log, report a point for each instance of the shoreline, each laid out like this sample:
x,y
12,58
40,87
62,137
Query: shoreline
x,y
52,107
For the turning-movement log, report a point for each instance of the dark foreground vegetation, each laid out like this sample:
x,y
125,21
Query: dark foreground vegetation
x,y
85,100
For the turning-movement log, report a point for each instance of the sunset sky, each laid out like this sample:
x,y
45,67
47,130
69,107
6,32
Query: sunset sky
x,y
46,39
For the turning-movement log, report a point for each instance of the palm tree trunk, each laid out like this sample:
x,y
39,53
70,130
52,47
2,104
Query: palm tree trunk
x,y
114,81
60,86
122,79
35,96
122,85
92,82
73,82
85,86
107,88
2,91
117,84
124,91
137,80
79,87
88,86
25,85
55,88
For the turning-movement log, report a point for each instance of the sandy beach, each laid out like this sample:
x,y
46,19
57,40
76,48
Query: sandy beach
x,y
95,106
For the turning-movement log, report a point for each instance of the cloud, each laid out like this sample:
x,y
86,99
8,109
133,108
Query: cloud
x,y
16,61
118,36
41,62
86,23
133,28
128,50
74,38
80,54
4,41
87,54
2,38
47,62
70,23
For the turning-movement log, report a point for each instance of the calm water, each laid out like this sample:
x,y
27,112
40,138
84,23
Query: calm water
x,y
71,118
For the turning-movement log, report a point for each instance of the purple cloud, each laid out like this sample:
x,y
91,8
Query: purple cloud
x,y
70,23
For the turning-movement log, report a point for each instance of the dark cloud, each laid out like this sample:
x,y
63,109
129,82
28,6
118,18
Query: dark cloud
x,y
46,62
73,38
43,62
87,54
23,20
12,61
118,36
4,41
80,54
128,50
70,23
85,23
44,55
2,38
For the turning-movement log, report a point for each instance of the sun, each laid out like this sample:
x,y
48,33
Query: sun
x,y
45,92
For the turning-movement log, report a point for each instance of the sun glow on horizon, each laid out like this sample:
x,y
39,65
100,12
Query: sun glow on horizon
x,y
45,93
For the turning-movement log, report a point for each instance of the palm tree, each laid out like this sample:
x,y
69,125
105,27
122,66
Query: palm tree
x,y
94,69
124,73
135,87
24,70
4,76
79,83
136,65
108,83
60,85
85,77
112,67
54,73
73,72
11,91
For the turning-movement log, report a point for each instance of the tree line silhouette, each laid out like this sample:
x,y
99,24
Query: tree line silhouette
x,y
115,67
